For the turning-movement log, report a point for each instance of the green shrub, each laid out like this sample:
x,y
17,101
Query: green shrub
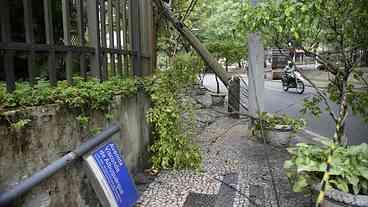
x,y
270,121
349,167
172,147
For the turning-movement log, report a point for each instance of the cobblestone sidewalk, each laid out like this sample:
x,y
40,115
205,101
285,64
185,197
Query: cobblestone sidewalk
x,y
230,157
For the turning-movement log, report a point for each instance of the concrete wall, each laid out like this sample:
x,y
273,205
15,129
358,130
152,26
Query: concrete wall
x,y
54,131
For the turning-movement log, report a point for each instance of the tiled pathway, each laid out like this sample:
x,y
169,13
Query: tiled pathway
x,y
231,157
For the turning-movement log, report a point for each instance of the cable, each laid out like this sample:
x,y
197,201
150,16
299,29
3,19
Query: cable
x,y
233,96
186,11
215,139
245,93
266,154
264,142
238,191
193,3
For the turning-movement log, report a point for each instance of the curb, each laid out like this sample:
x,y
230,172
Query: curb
x,y
306,84
315,136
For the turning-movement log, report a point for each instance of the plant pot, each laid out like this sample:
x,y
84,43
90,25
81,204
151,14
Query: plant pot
x,y
336,198
279,136
218,99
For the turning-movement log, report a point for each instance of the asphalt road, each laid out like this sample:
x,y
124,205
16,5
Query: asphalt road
x,y
290,103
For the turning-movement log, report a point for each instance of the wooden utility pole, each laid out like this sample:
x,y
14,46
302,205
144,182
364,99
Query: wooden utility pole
x,y
255,73
195,43
232,83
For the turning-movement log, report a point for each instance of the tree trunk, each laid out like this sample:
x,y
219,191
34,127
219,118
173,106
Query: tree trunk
x,y
340,123
343,111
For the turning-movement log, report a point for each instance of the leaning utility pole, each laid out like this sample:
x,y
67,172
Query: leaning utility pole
x,y
195,43
255,73
232,83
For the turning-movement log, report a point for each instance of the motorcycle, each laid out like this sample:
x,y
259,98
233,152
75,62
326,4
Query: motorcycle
x,y
292,80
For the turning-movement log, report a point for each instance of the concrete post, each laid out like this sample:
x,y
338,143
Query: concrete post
x,y
234,97
255,73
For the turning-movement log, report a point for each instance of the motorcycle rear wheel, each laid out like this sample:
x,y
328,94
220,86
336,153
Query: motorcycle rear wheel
x,y
285,85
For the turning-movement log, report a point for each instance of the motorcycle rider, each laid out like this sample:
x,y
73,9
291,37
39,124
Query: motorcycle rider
x,y
289,70
290,78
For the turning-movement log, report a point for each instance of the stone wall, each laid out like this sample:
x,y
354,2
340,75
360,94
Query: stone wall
x,y
51,133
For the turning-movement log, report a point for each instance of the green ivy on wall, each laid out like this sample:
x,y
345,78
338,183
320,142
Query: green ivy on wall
x,y
81,98
172,147
82,94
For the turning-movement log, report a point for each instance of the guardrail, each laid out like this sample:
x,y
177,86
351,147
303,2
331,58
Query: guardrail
x,y
26,185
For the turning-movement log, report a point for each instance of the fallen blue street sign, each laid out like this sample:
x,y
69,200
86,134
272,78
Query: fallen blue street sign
x,y
112,176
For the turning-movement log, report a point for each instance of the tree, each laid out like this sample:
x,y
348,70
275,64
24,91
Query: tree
x,y
307,25
169,42
218,23
215,22
339,24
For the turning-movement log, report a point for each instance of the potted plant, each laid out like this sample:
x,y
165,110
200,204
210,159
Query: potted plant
x,y
278,129
348,181
341,27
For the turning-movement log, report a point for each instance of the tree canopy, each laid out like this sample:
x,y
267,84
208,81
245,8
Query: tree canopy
x,y
339,25
220,31
214,22
308,24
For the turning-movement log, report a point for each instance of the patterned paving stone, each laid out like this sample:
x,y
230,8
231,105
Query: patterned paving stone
x,y
226,194
226,150
200,200
256,192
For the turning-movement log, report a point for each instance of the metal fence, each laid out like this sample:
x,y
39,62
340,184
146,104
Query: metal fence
x,y
60,39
